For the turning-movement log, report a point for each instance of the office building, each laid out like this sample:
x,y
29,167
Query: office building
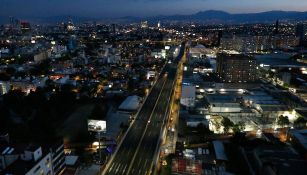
x,y
236,68
300,32
25,26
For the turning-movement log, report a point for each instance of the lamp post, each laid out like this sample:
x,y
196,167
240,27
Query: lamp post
x,y
99,147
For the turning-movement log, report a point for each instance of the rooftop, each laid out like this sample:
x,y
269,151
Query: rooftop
x,y
301,136
236,56
131,103
21,166
219,150
282,159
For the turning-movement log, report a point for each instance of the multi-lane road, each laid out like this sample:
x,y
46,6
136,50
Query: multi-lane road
x,y
138,150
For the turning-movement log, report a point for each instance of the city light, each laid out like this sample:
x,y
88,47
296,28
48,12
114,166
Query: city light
x,y
153,88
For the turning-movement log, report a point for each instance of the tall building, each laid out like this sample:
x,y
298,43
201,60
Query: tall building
x,y
144,24
276,31
14,23
300,32
70,26
25,26
72,42
159,24
113,29
236,68
219,37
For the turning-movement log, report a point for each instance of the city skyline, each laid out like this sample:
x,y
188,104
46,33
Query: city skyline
x,y
153,87
140,8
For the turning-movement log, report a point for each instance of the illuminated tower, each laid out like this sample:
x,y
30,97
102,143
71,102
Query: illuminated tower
x,y
159,24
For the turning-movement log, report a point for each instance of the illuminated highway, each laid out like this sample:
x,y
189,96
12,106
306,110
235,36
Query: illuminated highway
x,y
137,152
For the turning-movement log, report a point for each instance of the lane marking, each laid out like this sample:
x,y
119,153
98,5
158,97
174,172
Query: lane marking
x,y
132,170
111,167
145,163
124,169
116,170
139,162
148,97
139,144
129,152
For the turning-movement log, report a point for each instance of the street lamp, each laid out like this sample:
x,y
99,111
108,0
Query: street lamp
x,y
99,127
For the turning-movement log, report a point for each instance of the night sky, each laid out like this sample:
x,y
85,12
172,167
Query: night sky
x,y
119,8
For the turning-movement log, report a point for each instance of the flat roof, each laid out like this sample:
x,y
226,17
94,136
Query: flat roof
x,y
188,92
21,166
301,136
71,160
235,56
274,107
131,103
283,159
219,150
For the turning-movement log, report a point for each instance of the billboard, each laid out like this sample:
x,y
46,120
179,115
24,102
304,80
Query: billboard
x,y
97,125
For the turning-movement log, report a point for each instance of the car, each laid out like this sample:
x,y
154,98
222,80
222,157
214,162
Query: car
x,y
148,121
98,162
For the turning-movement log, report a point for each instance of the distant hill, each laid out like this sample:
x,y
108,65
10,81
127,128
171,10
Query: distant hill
x,y
209,17
213,16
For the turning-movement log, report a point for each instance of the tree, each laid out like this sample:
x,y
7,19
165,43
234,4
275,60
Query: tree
x,y
217,125
283,121
239,127
227,124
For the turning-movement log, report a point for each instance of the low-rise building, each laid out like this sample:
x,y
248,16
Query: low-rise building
x,y
186,166
32,161
130,104
299,139
188,96
275,159
4,87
